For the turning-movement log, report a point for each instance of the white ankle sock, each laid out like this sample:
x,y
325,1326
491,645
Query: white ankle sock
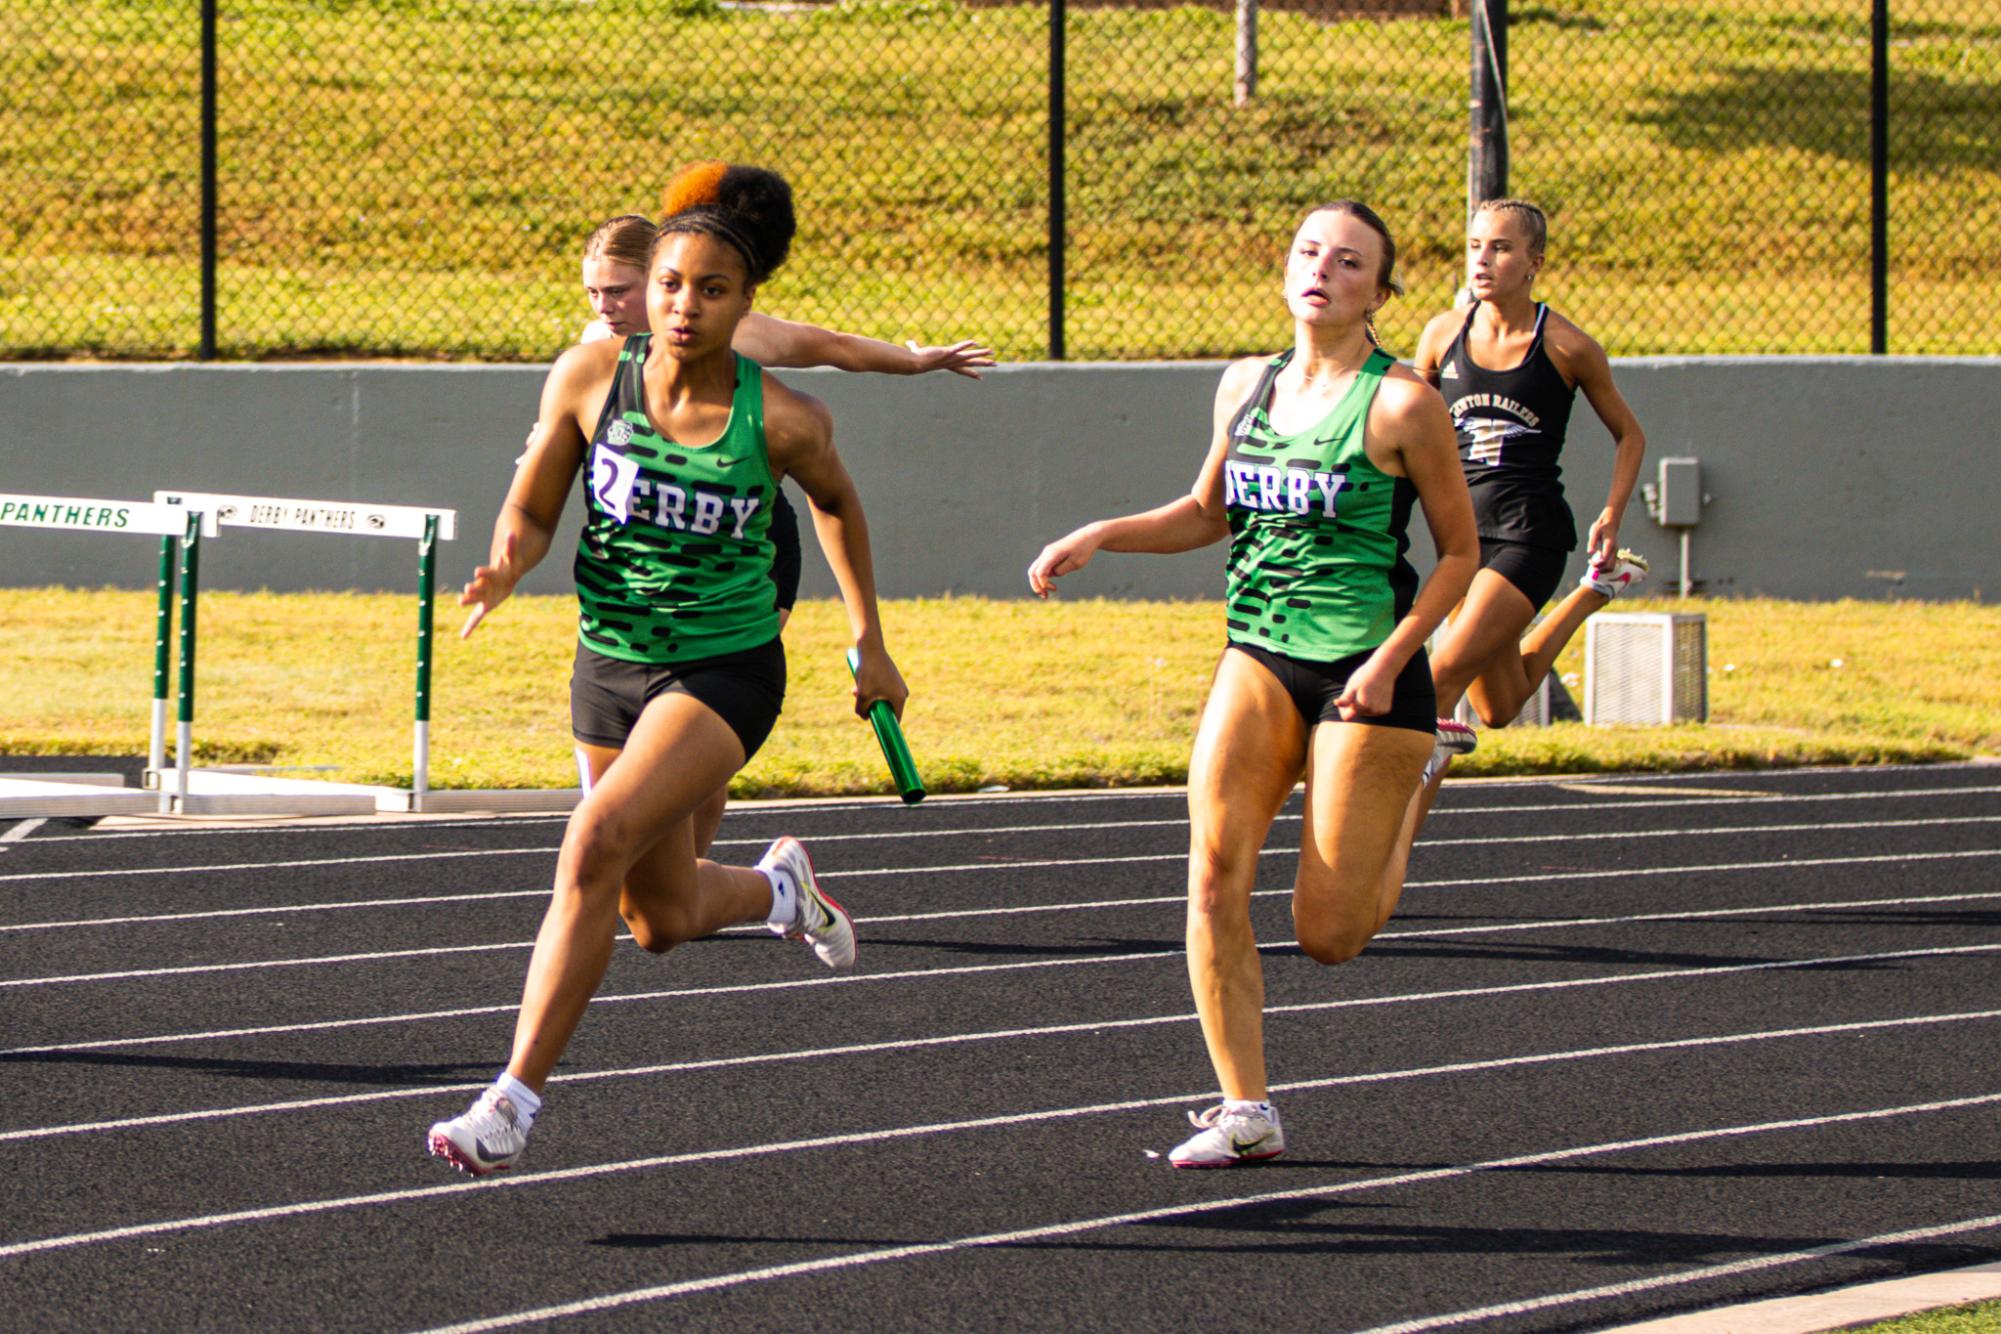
x,y
784,900
1264,1109
526,1101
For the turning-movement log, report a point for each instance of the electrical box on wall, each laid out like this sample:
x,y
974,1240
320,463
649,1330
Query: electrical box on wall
x,y
1680,495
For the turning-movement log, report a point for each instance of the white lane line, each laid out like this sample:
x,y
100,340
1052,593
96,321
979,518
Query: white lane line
x,y
131,974
1002,829
1165,1213
1117,903
1624,836
20,831
1014,1119
1625,873
761,810
220,867
1171,953
1632,1287
1717,971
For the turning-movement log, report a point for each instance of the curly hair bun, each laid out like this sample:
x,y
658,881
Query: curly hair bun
x,y
749,207
695,185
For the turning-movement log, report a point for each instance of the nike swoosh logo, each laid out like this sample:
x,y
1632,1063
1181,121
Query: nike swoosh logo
x,y
491,1155
1245,1146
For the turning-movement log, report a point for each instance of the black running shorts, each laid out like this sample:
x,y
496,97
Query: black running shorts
x,y
785,556
1534,571
1314,686
608,694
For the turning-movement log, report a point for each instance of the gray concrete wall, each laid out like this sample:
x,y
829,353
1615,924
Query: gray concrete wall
x,y
1831,477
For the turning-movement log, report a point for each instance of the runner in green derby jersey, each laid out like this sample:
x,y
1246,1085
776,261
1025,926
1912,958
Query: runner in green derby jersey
x,y
1317,456
679,673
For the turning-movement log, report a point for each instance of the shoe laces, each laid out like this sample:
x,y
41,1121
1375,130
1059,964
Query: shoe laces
x,y
1221,1114
495,1107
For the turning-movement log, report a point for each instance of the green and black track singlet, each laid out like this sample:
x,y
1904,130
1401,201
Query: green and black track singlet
x,y
675,559
1317,531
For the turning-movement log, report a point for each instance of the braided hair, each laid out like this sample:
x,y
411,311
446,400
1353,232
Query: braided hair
x,y
748,208
1534,225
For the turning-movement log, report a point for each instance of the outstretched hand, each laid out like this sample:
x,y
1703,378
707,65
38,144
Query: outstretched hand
x,y
965,358
1065,555
490,586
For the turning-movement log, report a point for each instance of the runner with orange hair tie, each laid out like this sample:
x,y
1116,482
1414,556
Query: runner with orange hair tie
x,y
614,278
680,673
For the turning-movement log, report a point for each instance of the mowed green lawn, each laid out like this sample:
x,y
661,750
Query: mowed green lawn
x,y
1015,693
414,177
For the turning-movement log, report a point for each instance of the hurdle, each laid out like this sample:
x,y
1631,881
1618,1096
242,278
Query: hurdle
x,y
232,792
179,528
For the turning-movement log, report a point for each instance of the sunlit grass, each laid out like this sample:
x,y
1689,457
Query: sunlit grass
x,y
413,179
1015,693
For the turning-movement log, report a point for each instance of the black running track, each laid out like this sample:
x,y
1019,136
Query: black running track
x,y
1631,1047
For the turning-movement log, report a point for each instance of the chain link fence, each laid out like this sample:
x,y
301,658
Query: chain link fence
x,y
414,178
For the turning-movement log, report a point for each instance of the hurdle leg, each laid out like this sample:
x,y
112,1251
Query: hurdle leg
x,y
163,629
427,573
184,728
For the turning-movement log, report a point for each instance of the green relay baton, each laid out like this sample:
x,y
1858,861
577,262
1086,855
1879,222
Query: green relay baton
x,y
895,750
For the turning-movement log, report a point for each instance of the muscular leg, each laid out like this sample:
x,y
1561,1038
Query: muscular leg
x,y
1483,636
1248,752
1480,647
709,815
678,754
1544,641
1359,782
708,818
1515,664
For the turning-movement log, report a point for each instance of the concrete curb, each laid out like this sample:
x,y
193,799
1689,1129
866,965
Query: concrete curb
x,y
1866,1304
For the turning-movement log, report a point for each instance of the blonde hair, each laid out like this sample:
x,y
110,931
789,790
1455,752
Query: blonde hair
x,y
626,239
1527,214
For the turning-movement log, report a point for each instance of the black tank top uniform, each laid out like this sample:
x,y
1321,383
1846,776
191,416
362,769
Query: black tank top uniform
x,y
1511,426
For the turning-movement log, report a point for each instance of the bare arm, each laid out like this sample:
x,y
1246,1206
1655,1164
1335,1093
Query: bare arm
x,y
1586,363
799,436
1434,342
1409,418
1184,524
528,517
770,341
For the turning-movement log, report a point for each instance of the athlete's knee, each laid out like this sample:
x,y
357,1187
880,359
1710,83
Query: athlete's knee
x,y
1217,880
658,928
1331,932
1333,943
597,852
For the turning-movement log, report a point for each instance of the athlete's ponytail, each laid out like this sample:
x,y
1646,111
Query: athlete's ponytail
x,y
747,207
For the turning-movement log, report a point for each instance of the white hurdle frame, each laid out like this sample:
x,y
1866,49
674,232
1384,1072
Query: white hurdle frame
x,y
349,518
181,525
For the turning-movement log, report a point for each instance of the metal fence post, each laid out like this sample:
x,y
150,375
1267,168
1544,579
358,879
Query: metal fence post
x,y
1879,177
1058,224
208,181
1247,51
1487,144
